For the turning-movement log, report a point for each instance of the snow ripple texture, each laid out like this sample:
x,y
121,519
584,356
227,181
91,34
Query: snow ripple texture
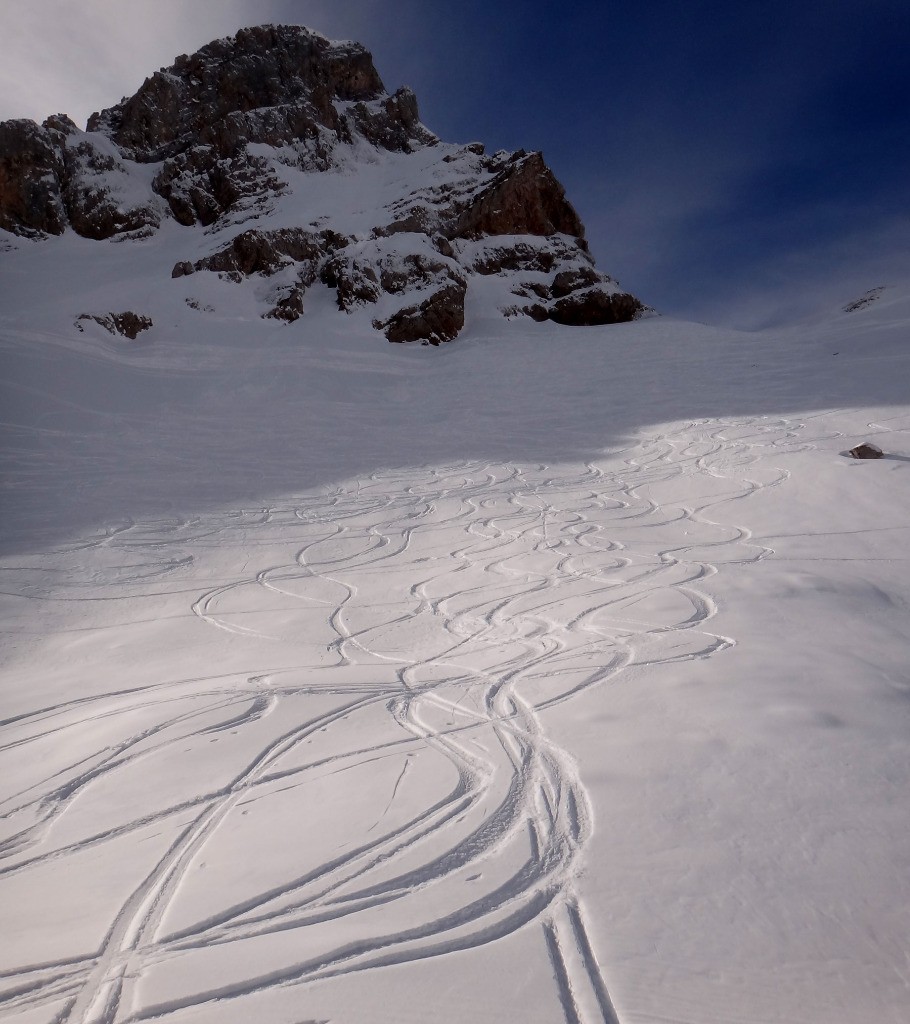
x,y
383,788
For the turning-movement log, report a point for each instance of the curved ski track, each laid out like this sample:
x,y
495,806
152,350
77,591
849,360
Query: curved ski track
x,y
505,590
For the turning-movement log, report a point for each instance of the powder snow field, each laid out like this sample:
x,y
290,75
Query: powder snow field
x,y
556,674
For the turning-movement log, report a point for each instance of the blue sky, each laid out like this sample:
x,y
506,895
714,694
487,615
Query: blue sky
x,y
735,163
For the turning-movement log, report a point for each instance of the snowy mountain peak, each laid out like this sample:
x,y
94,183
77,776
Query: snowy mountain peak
x,y
295,167
270,84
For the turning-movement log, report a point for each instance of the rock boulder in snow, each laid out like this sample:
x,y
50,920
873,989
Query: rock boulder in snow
x,y
866,450
127,325
591,307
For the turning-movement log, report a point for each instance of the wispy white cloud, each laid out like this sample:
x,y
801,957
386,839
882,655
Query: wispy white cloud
x,y
77,56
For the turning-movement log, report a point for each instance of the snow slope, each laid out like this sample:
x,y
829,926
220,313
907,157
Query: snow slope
x,y
556,674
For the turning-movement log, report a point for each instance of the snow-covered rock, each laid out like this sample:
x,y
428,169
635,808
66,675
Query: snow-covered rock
x,y
281,126
32,167
127,325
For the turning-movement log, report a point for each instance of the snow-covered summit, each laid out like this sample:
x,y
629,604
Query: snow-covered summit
x,y
281,141
274,84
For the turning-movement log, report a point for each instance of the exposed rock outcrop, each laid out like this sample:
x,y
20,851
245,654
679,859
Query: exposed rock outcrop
x,y
591,307
32,170
289,306
388,272
101,196
506,194
227,94
52,176
362,272
199,186
267,252
127,325
524,198
437,319
232,134
557,278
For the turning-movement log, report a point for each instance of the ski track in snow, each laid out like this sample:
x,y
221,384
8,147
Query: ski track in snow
x,y
506,590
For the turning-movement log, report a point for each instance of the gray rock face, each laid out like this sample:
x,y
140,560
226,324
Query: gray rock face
x,y
504,194
224,128
96,191
406,266
591,307
199,186
437,319
32,170
523,199
267,252
208,97
53,176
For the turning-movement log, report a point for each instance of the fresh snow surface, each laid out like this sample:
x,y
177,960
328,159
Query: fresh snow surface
x,y
553,675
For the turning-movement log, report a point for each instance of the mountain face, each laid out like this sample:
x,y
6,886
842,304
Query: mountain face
x,y
289,165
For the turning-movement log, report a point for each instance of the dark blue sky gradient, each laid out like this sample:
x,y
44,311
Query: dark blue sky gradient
x,y
735,162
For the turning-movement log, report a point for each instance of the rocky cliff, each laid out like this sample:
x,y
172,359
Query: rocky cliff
x,y
286,151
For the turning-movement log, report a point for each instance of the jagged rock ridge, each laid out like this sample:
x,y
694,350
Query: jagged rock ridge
x,y
236,132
